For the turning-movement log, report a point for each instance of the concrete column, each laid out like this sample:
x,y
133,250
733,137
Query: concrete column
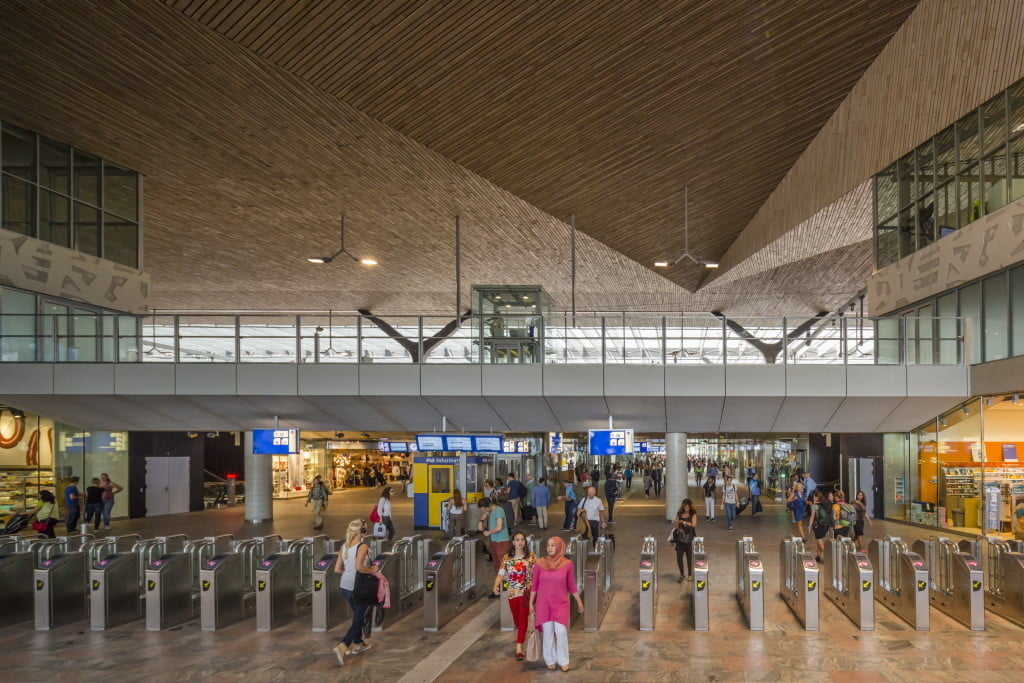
x,y
259,486
674,476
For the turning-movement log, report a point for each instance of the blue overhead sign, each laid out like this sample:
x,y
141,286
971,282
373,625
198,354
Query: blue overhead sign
x,y
611,441
275,441
467,443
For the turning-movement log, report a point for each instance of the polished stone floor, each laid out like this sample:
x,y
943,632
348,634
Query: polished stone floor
x,y
618,652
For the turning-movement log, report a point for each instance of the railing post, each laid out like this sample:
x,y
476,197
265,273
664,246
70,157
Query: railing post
x,y
664,340
419,343
785,341
604,342
177,339
359,337
238,339
725,342
540,340
298,338
479,318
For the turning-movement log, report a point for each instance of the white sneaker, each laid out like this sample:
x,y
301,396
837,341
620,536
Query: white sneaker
x,y
339,654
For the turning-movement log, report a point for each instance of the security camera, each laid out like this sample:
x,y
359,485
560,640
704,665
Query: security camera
x,y
191,435
212,435
339,435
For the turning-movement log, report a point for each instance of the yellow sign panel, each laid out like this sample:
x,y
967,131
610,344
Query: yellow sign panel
x,y
811,585
865,585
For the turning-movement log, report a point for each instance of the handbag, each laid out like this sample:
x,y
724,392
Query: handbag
x,y
380,530
671,540
365,590
583,526
532,640
374,516
39,526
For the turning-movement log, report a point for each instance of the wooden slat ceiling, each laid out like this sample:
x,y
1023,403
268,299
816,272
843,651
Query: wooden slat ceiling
x,y
605,109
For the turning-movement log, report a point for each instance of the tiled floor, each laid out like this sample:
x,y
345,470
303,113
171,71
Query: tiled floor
x,y
618,652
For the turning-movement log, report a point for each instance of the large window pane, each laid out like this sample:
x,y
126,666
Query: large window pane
x,y
120,191
945,222
925,209
55,166
946,311
993,175
1017,302
19,206
925,158
119,240
945,156
970,310
888,341
87,178
907,189
53,332
87,229
17,325
993,123
54,218
888,243
1016,167
909,326
19,152
885,193
968,187
1017,108
996,312
925,334
908,230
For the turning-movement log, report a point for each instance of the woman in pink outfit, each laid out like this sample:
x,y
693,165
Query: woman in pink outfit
x,y
554,580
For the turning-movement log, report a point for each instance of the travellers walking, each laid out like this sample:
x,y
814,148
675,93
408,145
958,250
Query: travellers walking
x,y
495,527
860,504
797,504
709,499
94,504
456,510
45,514
354,559
571,499
73,506
754,487
517,568
516,492
611,493
554,580
593,509
541,499
629,477
384,511
685,532
730,499
318,494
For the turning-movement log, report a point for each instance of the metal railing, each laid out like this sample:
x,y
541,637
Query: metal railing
x,y
562,338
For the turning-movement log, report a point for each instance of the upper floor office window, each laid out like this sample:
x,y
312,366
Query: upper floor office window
x,y
964,172
66,196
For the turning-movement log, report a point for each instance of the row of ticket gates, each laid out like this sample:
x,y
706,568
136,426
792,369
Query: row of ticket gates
x,y
169,580
961,579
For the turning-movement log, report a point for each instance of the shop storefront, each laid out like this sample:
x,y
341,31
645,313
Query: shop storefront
x,y
37,454
963,470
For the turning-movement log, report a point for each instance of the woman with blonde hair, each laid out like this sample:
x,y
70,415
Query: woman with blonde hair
x,y
353,559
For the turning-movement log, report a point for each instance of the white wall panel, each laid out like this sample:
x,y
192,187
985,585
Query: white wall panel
x,y
26,378
83,378
749,413
755,380
205,379
328,379
805,413
268,379
694,380
144,379
820,380
389,380
693,413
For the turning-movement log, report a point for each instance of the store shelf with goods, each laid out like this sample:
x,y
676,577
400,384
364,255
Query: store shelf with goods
x,y
19,487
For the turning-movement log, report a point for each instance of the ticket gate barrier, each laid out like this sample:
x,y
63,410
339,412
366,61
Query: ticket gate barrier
x,y
17,561
1003,565
750,583
901,580
284,580
329,607
114,591
169,591
450,582
850,581
701,587
956,581
799,582
410,554
598,583
61,582
227,580
648,583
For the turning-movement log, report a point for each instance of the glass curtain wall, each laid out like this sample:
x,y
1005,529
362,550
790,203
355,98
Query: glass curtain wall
x,y
964,172
59,194
87,454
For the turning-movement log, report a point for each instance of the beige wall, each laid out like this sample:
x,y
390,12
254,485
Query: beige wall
x,y
985,246
37,266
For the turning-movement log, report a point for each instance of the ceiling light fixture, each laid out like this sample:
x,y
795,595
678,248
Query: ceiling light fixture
x,y
368,261
686,239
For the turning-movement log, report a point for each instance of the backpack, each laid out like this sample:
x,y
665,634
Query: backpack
x,y
847,515
374,516
822,515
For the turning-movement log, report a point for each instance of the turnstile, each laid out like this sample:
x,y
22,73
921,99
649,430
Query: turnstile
x,y
1003,565
450,582
701,587
798,583
114,591
16,585
956,581
648,583
276,587
598,583
901,580
849,581
227,581
169,596
329,607
60,591
750,583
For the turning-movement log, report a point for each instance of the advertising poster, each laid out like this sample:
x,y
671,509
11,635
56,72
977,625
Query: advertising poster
x,y
899,490
992,508
25,440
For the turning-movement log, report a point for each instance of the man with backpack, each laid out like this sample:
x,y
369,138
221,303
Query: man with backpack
x,y
318,494
821,522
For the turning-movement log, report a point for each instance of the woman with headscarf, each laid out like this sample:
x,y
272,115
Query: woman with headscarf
x,y
554,580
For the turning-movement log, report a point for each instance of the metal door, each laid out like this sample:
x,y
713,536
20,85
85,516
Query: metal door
x,y
167,486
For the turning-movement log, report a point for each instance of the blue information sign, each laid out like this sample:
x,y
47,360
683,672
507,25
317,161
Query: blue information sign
x,y
430,442
399,447
611,441
487,444
275,441
467,443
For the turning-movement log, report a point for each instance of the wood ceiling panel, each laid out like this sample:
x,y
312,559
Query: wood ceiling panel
x,y
602,109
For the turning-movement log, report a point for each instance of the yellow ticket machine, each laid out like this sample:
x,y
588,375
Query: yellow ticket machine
x,y
433,480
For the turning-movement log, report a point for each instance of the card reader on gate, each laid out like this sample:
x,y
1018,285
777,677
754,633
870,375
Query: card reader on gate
x,y
214,561
159,562
100,564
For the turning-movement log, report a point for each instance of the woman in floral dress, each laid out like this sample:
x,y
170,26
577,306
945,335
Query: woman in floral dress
x,y
517,568
554,580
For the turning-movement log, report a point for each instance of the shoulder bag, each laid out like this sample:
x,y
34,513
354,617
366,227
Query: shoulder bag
x,y
533,649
